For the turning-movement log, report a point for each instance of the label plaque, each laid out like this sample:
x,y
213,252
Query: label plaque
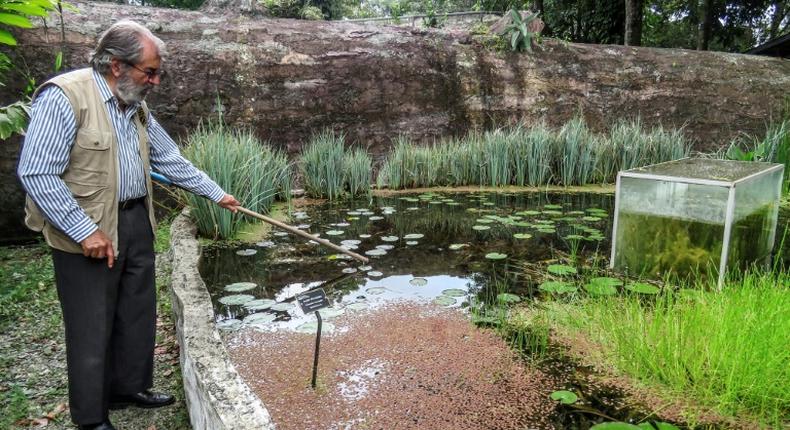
x,y
312,300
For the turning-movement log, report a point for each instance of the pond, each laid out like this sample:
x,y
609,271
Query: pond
x,y
441,248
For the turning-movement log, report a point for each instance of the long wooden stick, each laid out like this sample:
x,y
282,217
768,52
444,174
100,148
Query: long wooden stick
x,y
304,234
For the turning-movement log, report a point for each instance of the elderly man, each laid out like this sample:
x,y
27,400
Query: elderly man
x,y
84,164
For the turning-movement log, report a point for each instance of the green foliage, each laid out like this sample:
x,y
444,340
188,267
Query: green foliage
x,y
13,118
329,171
284,8
254,173
773,148
727,350
516,32
311,13
534,156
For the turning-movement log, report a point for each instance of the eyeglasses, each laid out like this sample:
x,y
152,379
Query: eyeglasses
x,y
150,73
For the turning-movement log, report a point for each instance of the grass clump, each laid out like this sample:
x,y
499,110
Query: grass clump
x,y
330,171
254,173
531,155
728,350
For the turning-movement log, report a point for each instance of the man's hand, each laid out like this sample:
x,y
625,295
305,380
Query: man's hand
x,y
229,202
98,245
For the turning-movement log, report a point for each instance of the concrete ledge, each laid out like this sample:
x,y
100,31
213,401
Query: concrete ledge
x,y
216,396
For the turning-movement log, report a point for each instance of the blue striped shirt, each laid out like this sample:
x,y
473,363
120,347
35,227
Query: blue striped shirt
x,y
48,143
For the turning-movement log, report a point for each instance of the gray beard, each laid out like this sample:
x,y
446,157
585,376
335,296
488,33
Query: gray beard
x,y
129,92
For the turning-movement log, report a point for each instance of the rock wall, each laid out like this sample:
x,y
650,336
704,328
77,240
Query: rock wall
x,y
286,79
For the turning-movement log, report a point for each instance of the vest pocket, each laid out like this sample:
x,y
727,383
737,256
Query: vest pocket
x,y
93,140
85,192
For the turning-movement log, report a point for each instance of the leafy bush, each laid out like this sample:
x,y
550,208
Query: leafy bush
x,y
254,173
773,148
517,32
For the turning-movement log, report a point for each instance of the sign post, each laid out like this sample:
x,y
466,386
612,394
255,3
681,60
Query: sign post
x,y
312,301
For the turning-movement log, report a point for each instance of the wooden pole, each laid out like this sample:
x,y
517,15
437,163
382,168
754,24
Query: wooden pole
x,y
301,233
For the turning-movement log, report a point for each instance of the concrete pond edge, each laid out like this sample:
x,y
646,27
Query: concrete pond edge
x,y
216,396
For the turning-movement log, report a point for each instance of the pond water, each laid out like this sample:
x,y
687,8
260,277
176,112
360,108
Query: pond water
x,y
442,248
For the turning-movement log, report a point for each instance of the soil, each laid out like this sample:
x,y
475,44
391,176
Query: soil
x,y
405,366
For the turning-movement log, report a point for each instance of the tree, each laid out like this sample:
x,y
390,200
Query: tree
x,y
633,22
705,23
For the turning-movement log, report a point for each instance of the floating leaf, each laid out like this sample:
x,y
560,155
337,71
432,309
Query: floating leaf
x,y
413,236
259,318
364,236
312,327
376,290
660,425
444,301
522,236
246,252
605,280
375,274
559,287
642,288
614,426
364,268
600,289
564,397
561,269
390,238
280,234
236,299
419,282
508,298
229,324
385,247
238,287
327,313
334,232
591,218
496,256
265,244
454,292
357,306
350,242
481,227
457,246
552,206
259,304
412,242
376,252
349,270
376,218
282,307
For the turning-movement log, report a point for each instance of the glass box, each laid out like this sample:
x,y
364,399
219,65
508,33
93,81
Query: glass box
x,y
695,216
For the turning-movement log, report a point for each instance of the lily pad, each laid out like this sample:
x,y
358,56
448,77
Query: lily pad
x,y
591,218
229,324
457,246
385,247
282,307
364,236
238,287
327,313
236,299
376,252
246,252
552,206
412,242
312,327
508,298
481,227
259,304
413,236
376,218
350,242
279,234
496,256
454,292
349,270
364,268
357,306
265,244
605,280
561,269
259,318
559,287
642,288
565,397
418,282
614,426
375,274
390,238
522,236
376,290
444,301
335,232
600,289
660,425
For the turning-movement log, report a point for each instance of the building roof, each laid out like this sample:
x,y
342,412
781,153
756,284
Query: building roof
x,y
778,47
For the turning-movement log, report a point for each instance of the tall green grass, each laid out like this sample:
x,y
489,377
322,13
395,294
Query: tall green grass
x,y
531,155
330,171
254,173
729,350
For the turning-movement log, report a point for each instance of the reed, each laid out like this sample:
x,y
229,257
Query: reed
x,y
322,165
254,173
358,171
728,350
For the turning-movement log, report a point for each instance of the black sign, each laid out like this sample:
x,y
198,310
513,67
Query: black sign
x,y
312,300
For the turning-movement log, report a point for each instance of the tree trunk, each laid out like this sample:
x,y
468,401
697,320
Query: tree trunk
x,y
780,12
705,23
633,22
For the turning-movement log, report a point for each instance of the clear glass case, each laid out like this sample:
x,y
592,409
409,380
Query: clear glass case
x,y
695,216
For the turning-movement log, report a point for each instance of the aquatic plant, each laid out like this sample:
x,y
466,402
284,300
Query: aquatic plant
x,y
358,168
322,165
253,172
727,349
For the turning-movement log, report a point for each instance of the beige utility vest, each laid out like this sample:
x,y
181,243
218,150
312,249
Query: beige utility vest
x,y
92,172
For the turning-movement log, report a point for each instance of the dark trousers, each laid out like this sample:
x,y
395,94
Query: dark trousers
x,y
110,318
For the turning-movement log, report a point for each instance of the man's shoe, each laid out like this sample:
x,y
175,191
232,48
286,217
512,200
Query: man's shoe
x,y
107,425
144,399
